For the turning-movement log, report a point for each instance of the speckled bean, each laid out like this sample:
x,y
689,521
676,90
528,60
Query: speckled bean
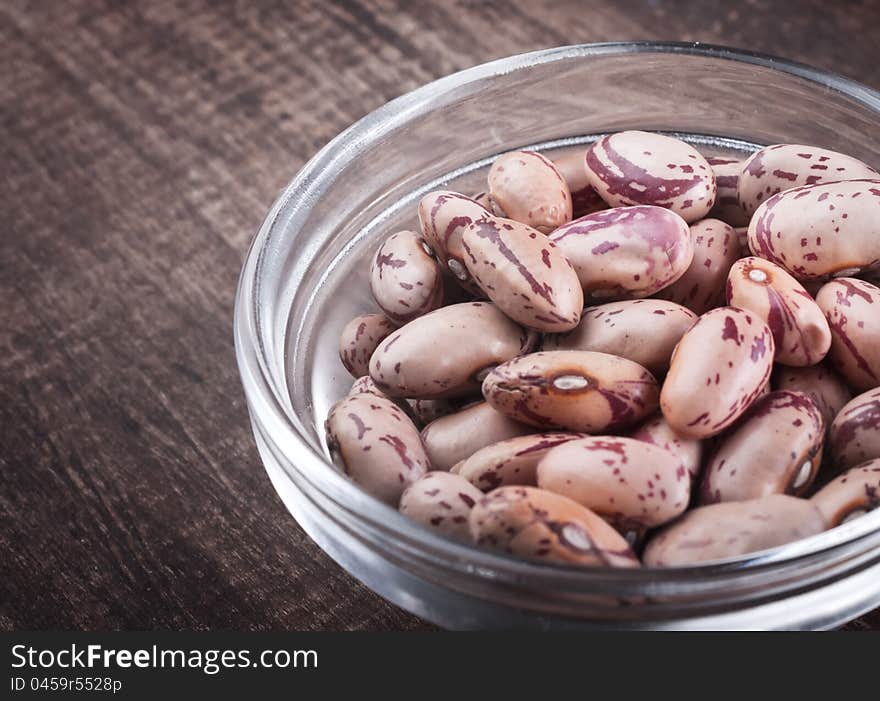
x,y
850,495
528,188
405,277
637,167
365,385
731,529
376,445
656,430
800,330
780,167
443,217
720,366
852,308
818,230
819,381
359,339
584,198
475,336
642,330
537,524
523,273
574,390
855,432
512,461
442,501
455,437
428,410
627,252
775,449
727,207
701,287
631,484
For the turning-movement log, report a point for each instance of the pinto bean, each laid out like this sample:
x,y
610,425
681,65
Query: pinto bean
x,y
854,436
359,339
727,207
537,524
720,366
850,495
528,188
656,430
637,167
820,382
627,252
584,198
574,390
405,278
642,330
442,501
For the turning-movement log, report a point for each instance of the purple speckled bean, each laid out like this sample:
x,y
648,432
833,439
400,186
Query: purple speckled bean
x,y
450,439
719,368
584,199
523,273
784,166
701,287
727,207
537,524
637,167
731,529
818,230
365,385
512,461
376,445
642,330
656,430
360,338
528,188
405,278
850,495
855,432
852,308
574,390
474,336
799,327
819,381
428,410
443,217
631,484
775,449
626,252
443,502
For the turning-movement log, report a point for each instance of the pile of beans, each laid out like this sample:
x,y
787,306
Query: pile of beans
x,y
630,355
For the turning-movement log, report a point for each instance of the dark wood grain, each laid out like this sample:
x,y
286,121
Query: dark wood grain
x,y
136,146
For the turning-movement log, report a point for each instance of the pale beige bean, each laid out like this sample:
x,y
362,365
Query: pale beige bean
x,y
359,339
852,308
727,207
523,273
631,484
376,445
405,277
512,461
584,199
800,330
820,382
720,366
537,524
775,449
446,353
642,330
443,217
455,437
701,287
574,390
656,430
855,432
780,167
528,188
819,230
626,252
442,501
733,529
637,167
850,495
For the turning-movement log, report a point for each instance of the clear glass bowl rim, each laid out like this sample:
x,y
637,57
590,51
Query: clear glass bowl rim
x,y
276,422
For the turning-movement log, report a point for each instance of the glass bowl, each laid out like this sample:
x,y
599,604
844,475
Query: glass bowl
x,y
305,276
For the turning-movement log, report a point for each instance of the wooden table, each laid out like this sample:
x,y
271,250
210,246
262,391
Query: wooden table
x,y
136,145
